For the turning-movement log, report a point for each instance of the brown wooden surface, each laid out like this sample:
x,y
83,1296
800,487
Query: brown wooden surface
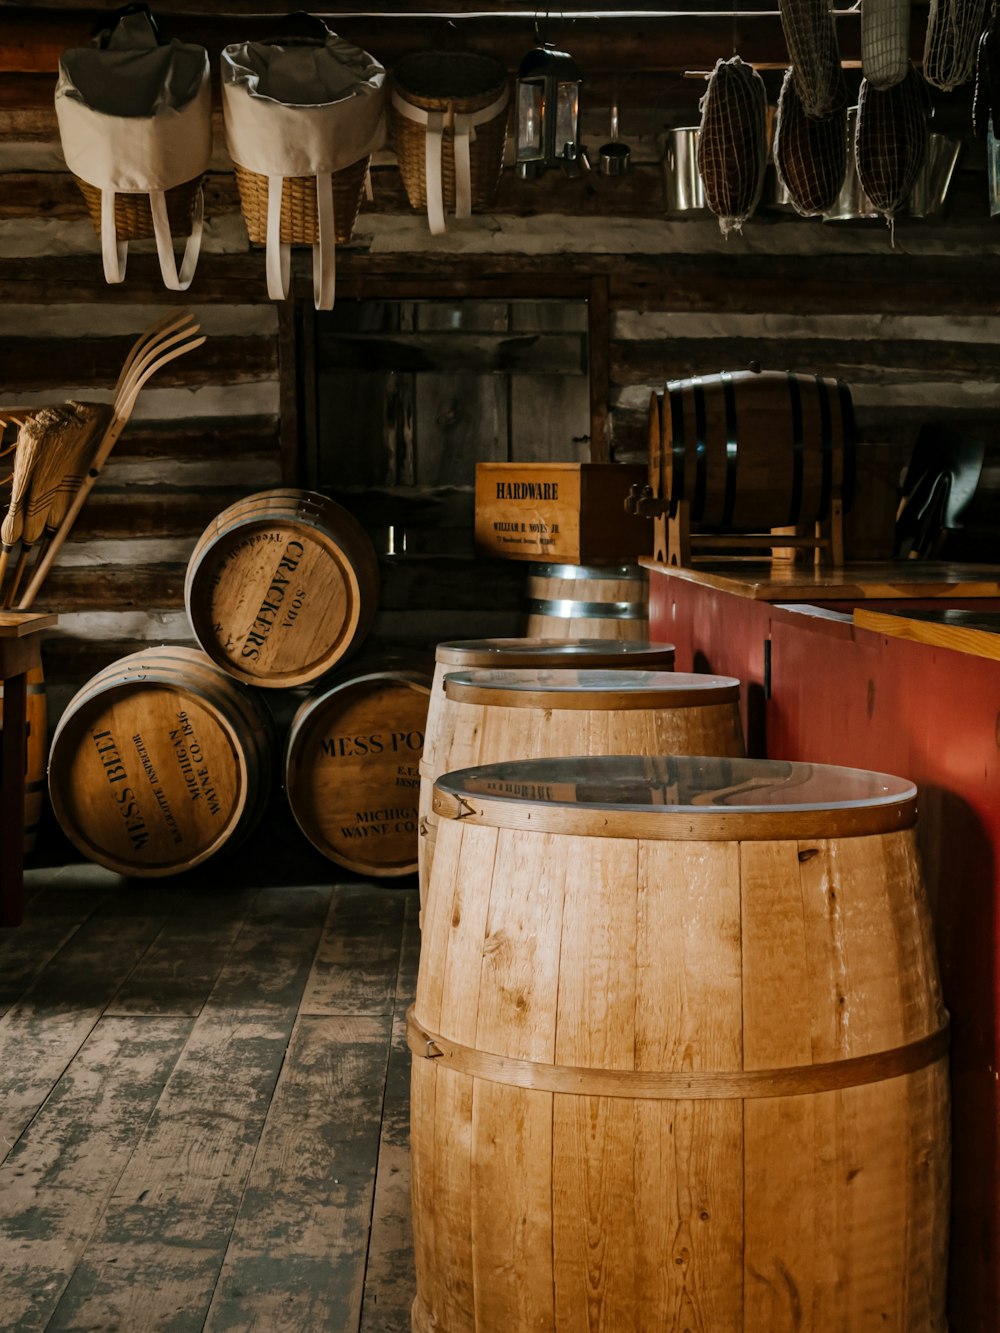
x,y
226,1100
875,580
975,632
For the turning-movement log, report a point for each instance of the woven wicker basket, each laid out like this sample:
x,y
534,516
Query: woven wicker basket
x,y
449,81
133,218
299,224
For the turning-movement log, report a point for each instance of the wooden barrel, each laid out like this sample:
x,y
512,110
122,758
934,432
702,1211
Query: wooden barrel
x,y
752,451
679,1053
159,761
587,601
35,754
491,715
280,586
352,770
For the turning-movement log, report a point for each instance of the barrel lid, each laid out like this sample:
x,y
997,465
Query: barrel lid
x,y
593,653
571,688
678,797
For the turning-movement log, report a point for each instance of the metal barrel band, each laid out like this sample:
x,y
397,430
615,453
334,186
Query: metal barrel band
x,y
617,572
693,1085
570,610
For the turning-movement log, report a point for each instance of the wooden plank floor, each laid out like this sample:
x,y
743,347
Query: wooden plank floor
x,y
204,1100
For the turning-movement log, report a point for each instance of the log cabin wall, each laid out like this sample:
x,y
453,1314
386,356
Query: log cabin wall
x,y
908,320
911,322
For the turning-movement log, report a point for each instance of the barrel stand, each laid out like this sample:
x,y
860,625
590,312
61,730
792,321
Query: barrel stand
x,y
19,653
823,546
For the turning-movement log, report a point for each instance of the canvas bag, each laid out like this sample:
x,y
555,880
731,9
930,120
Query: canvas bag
x,y
301,107
135,118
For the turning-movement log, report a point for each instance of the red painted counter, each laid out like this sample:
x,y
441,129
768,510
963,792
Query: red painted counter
x,y
819,688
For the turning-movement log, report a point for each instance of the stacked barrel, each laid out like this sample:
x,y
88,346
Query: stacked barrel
x,y
168,755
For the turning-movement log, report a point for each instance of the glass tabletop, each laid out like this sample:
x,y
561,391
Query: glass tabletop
x,y
571,680
685,784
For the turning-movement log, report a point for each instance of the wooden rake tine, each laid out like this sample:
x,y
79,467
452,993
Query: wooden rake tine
x,y
150,355
167,323
122,412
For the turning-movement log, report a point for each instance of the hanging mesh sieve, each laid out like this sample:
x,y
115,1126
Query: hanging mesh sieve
x,y
732,142
810,153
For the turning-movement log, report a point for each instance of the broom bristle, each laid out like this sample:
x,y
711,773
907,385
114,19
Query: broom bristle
x,y
66,453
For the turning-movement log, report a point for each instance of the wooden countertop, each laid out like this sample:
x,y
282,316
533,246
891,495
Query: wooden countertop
x,y
871,581
973,632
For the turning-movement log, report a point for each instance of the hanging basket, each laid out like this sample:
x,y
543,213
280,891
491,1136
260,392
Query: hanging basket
x,y
302,114
299,208
134,216
448,126
134,117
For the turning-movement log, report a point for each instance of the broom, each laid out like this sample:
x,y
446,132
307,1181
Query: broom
x,y
164,341
71,436
29,442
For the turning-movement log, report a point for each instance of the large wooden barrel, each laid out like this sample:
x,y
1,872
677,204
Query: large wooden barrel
x,y
280,586
679,1053
159,761
491,715
587,602
352,772
752,450
35,754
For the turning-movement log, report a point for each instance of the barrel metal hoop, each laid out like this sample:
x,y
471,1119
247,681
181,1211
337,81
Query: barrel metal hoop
x,y
826,444
567,610
680,1085
677,446
795,399
634,573
732,448
849,434
700,449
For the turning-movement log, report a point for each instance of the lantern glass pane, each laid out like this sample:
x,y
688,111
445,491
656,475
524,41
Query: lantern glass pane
x,y
567,107
530,117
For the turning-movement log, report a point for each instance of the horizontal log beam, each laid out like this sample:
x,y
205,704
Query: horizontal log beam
x,y
906,284
30,364
206,437
854,360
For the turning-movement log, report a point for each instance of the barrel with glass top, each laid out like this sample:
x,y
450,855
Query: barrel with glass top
x,y
679,1052
488,715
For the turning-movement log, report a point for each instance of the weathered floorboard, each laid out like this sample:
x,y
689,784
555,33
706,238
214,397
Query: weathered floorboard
x,y
41,1034
173,1209
296,1259
358,958
54,1184
390,1279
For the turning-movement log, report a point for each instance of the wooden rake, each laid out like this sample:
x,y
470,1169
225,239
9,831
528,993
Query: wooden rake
x,y
163,342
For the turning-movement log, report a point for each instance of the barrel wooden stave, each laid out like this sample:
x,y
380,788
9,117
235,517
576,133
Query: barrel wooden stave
x,y
538,1209
281,586
160,761
754,452
587,601
352,770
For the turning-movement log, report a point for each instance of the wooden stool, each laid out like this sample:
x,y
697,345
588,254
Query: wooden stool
x,y
19,653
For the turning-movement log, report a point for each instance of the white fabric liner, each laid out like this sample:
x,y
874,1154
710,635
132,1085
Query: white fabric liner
x,y
301,109
135,118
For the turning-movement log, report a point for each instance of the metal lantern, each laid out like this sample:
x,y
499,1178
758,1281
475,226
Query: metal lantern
x,y
548,112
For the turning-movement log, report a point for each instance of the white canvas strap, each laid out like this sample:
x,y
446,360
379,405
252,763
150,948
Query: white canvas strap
x,y
278,257
115,252
464,126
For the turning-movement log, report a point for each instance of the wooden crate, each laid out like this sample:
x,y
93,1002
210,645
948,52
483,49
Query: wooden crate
x,y
573,512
